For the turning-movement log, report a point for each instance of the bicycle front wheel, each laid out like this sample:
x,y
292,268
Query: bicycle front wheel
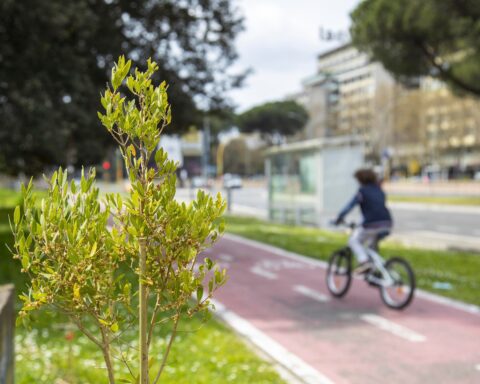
x,y
399,293
339,272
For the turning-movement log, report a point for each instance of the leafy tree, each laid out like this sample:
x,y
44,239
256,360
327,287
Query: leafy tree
x,y
274,119
238,158
54,60
85,270
414,38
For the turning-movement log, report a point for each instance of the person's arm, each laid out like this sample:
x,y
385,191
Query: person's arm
x,y
351,204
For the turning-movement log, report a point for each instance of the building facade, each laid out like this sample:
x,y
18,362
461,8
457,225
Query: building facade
x,y
419,125
343,97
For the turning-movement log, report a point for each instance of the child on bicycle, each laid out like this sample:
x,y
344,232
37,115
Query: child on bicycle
x,y
377,221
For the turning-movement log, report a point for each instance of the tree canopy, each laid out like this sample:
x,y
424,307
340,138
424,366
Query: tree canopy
x,y
55,57
279,118
414,38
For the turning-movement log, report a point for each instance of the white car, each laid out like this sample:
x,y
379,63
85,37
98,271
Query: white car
x,y
199,182
231,181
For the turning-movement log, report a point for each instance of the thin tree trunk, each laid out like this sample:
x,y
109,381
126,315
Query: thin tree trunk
x,y
107,357
167,351
142,309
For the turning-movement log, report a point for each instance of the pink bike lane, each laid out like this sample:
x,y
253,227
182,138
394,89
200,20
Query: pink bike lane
x,y
356,339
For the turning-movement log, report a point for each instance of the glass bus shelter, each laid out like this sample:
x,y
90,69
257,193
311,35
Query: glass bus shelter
x,y
309,181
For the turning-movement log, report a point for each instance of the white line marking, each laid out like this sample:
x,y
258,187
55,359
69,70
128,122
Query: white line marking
x,y
275,250
437,208
394,328
277,265
470,308
315,295
225,257
264,273
276,351
477,367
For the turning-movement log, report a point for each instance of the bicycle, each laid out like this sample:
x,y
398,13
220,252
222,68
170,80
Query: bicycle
x,y
394,277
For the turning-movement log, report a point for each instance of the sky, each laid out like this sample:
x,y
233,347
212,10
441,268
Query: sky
x,y
281,43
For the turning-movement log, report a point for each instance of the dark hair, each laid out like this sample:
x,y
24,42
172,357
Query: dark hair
x,y
365,176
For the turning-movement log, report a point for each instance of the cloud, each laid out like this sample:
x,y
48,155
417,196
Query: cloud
x,y
281,43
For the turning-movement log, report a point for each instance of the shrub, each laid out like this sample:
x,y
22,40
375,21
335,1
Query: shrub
x,y
81,252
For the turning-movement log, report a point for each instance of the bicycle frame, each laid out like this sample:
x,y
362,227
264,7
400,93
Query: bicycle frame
x,y
386,280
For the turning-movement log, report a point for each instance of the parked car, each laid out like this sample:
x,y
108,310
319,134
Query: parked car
x,y
231,181
200,182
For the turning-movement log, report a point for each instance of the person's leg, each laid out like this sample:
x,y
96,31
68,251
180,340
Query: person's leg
x,y
356,241
375,235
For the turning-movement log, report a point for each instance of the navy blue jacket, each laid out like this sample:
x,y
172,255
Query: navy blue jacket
x,y
371,199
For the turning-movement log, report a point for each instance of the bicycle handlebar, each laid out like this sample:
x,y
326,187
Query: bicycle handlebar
x,y
351,224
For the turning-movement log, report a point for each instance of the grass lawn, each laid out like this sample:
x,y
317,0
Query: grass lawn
x,y
203,353
8,197
460,269
442,200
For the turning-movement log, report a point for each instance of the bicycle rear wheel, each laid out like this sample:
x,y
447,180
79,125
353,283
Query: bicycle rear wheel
x,y
399,294
339,272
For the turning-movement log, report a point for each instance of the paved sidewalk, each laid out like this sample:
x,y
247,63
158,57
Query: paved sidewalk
x,y
280,301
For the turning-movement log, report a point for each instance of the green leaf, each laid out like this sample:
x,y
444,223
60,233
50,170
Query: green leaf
x,y
131,149
151,361
103,322
53,180
76,291
199,293
132,231
93,250
25,261
131,83
208,263
16,215
114,327
83,184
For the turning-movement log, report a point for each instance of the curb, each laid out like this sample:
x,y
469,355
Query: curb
x,y
301,371
469,209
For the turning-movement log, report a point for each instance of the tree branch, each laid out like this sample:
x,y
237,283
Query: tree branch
x,y
446,74
86,332
106,355
169,346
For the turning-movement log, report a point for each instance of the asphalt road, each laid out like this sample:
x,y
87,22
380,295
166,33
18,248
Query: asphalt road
x,y
422,225
279,301
408,218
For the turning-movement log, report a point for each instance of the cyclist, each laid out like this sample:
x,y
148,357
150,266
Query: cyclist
x,y
377,221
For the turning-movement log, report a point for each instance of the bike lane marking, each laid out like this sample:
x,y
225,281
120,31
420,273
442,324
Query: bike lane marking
x,y
326,335
263,272
276,250
312,294
470,308
269,268
276,351
393,328
452,303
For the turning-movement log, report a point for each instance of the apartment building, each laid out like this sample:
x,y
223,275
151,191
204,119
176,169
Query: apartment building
x,y
345,96
419,125
452,127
